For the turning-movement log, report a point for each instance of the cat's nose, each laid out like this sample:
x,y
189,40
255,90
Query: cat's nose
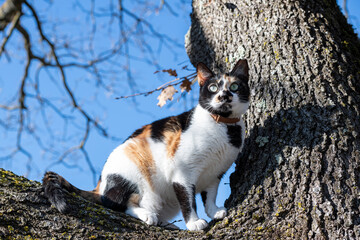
x,y
225,96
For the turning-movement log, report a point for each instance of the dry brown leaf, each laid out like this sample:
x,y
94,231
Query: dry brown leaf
x,y
186,85
166,94
171,72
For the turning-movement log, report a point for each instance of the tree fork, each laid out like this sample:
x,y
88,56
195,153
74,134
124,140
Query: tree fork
x,y
8,11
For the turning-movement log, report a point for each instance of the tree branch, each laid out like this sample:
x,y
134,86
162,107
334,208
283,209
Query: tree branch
x,y
8,10
14,22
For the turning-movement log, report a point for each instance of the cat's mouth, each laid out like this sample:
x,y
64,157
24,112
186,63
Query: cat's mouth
x,y
225,107
222,108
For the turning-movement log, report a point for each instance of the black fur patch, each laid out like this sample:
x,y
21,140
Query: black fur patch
x,y
117,192
193,197
226,95
244,90
234,134
185,119
204,197
175,123
54,191
186,200
157,129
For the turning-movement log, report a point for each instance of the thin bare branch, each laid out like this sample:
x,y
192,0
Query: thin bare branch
x,y
164,3
173,82
9,108
151,28
63,77
21,101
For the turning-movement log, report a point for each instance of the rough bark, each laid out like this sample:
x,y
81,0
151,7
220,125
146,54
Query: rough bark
x,y
299,174
25,213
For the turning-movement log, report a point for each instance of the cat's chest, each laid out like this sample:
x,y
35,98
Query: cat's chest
x,y
209,151
204,131
209,142
209,136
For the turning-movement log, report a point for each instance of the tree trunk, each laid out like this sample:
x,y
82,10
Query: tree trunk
x,y
299,174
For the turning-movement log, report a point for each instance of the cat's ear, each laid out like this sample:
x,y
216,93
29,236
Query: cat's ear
x,y
203,73
241,69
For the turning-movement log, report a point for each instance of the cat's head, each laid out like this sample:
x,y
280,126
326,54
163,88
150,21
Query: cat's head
x,y
225,94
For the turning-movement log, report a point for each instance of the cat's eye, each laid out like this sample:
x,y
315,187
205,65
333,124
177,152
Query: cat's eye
x,y
213,88
234,87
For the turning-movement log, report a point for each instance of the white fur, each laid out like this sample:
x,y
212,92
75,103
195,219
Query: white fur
x,y
203,154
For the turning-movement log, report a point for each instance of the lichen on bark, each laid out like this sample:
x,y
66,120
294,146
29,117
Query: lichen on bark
x,y
298,176
25,213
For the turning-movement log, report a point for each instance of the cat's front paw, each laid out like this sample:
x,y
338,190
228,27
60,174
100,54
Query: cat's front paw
x,y
148,217
197,225
220,213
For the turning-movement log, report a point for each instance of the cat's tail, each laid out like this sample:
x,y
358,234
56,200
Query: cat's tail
x,y
55,188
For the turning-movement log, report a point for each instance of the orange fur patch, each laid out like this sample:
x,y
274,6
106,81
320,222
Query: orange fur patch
x,y
146,133
139,152
172,142
97,189
229,79
91,196
134,200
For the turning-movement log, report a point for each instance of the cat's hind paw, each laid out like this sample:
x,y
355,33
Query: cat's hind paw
x,y
220,213
197,225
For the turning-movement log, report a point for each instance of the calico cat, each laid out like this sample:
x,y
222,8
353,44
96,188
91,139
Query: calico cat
x,y
158,170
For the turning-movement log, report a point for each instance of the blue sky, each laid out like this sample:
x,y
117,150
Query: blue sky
x,y
120,117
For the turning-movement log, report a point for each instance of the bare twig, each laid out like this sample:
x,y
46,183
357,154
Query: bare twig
x,y
9,108
173,82
70,93
164,3
21,101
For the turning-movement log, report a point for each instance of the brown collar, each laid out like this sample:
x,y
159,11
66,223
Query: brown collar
x,y
221,119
